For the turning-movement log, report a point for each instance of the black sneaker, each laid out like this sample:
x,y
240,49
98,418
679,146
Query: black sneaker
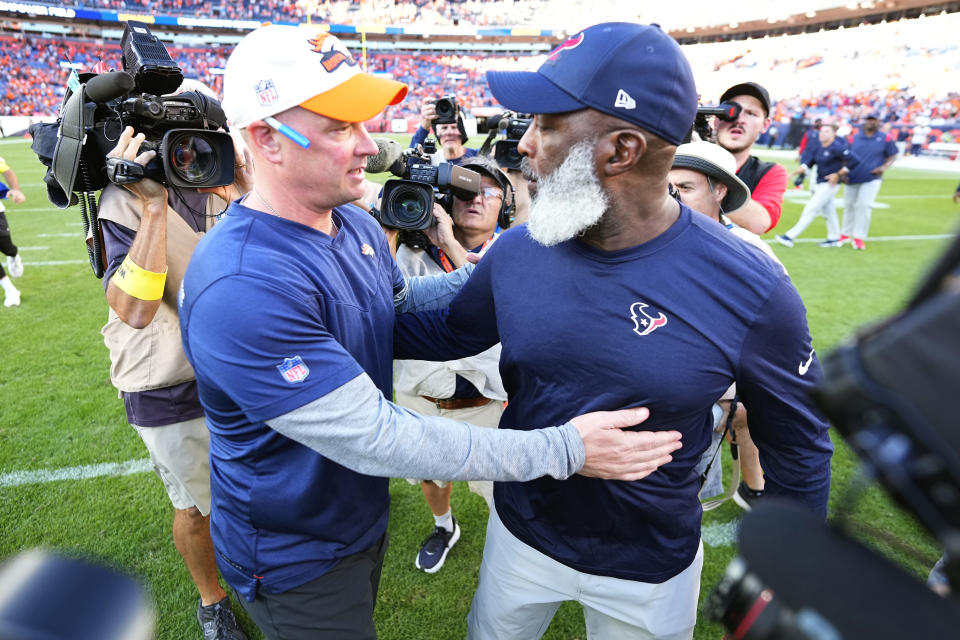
x,y
747,497
435,548
218,622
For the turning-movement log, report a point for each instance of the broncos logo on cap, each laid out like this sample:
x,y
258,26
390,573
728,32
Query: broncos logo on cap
x,y
569,43
643,322
334,56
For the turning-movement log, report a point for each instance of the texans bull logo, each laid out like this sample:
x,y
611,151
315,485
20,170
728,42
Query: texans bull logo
x,y
569,43
643,322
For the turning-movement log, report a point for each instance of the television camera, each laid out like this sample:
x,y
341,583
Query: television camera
x,y
407,202
890,391
183,129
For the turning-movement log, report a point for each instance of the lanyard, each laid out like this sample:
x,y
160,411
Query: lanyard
x,y
445,261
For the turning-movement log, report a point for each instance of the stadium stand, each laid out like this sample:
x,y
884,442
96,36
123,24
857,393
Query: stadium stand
x,y
808,75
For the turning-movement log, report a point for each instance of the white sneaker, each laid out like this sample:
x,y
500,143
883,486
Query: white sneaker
x,y
12,299
785,240
15,266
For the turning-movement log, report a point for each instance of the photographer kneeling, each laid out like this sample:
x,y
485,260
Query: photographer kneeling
x,y
149,233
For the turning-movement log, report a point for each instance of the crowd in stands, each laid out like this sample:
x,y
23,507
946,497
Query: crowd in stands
x,y
548,14
37,70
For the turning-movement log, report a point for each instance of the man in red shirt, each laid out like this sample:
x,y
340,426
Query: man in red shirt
x,y
767,180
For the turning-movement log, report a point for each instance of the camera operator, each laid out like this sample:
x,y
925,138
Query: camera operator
x,y
149,233
767,180
468,389
451,136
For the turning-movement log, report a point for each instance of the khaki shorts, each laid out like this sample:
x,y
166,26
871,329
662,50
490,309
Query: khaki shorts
x,y
180,454
486,416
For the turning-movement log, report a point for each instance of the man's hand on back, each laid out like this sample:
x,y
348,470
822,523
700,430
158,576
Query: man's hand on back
x,y
615,454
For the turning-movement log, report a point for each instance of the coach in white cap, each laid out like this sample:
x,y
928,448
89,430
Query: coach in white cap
x,y
287,314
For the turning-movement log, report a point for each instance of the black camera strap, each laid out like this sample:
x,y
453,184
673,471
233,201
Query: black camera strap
x,y
713,503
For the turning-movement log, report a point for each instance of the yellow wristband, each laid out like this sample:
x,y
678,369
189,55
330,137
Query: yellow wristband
x,y
138,282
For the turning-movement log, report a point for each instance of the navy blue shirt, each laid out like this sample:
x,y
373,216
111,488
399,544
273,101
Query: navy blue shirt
x,y
307,314
870,152
830,159
668,324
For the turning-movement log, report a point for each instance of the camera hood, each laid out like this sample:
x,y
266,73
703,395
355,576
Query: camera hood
x,y
76,119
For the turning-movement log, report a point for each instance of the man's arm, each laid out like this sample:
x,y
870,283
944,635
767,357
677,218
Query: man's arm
x,y
890,158
428,113
11,179
355,426
762,212
148,251
776,371
336,408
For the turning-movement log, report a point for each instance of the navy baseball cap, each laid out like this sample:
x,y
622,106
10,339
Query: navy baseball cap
x,y
748,89
874,115
630,71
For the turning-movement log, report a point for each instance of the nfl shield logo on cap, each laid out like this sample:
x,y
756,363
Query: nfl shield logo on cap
x,y
294,370
266,92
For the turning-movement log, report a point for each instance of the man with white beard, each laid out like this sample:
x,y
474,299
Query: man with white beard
x,y
615,294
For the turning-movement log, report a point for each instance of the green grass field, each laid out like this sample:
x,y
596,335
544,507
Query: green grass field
x,y
58,410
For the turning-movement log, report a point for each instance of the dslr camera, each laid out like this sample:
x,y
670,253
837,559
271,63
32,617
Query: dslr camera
x,y
447,110
407,202
726,111
503,133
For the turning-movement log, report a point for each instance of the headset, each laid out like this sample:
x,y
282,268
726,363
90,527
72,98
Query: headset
x,y
488,167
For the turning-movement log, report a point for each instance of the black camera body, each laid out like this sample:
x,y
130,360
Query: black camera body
x,y
182,129
890,392
726,111
407,203
447,110
503,134
189,154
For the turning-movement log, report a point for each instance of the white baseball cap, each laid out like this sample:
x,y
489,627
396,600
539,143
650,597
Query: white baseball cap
x,y
714,161
278,67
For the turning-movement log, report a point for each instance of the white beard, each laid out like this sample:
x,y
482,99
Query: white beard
x,y
568,201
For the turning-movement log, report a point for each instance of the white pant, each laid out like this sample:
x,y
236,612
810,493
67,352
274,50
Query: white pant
x,y
521,589
857,207
820,204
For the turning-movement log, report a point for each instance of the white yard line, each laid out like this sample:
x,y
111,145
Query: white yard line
x,y
17,478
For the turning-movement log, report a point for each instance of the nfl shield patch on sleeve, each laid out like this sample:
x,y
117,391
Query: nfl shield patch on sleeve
x,y
294,370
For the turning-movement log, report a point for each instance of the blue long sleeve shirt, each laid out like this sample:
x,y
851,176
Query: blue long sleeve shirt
x,y
669,325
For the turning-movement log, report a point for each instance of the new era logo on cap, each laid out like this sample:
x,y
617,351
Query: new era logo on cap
x,y
624,101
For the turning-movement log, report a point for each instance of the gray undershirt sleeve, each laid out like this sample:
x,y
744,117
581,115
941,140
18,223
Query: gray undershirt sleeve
x,y
424,293
354,425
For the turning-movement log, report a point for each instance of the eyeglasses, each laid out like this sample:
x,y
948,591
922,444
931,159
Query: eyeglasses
x,y
486,193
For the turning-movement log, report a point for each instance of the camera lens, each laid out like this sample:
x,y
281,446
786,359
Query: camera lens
x,y
192,158
507,155
409,207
